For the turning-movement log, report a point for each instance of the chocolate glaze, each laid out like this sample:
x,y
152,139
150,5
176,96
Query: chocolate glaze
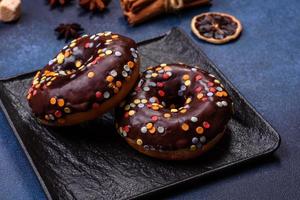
x,y
210,108
84,74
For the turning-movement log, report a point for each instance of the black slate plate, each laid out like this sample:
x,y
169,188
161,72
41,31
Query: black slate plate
x,y
91,161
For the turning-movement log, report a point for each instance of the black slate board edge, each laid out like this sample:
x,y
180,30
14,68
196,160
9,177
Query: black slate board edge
x,y
174,184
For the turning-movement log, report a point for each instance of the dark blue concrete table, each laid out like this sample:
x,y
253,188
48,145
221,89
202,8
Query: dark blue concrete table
x,y
264,64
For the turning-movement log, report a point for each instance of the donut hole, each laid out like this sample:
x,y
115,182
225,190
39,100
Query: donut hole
x,y
174,102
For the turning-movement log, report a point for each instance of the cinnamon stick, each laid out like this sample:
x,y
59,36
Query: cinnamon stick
x,y
138,11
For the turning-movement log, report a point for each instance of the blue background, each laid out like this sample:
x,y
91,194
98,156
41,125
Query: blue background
x,y
264,64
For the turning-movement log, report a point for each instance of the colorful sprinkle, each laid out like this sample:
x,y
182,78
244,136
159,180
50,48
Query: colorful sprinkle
x,y
185,127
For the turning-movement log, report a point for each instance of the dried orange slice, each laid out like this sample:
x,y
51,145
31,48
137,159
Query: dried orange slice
x,y
215,27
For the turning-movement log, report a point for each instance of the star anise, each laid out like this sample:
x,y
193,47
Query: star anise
x,y
68,31
93,5
57,2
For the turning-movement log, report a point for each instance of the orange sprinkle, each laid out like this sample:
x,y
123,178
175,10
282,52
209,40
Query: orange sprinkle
x,y
116,90
118,83
185,77
60,102
185,127
91,74
130,64
152,130
149,125
109,78
167,68
53,101
61,121
225,94
114,36
29,96
219,94
67,54
199,130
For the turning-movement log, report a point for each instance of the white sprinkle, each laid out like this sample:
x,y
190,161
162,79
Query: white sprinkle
x,y
52,61
106,95
148,76
91,45
144,129
210,94
118,53
92,37
132,49
113,73
194,69
134,55
219,88
169,73
224,103
160,129
183,87
124,73
141,105
152,99
126,68
195,140
202,139
194,119
146,88
219,104
132,105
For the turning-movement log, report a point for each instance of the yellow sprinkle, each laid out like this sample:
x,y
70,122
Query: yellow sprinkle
x,y
149,125
60,58
163,64
108,52
193,147
174,110
188,100
216,81
144,101
187,83
99,51
139,142
183,111
158,68
67,110
101,54
185,77
185,127
91,74
199,130
154,75
73,44
53,101
60,102
114,36
78,63
48,84
131,112
199,96
155,107
167,115
136,101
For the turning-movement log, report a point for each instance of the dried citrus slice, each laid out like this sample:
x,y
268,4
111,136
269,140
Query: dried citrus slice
x,y
216,27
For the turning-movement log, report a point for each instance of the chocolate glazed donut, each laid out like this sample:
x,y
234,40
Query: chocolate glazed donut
x,y
176,112
88,77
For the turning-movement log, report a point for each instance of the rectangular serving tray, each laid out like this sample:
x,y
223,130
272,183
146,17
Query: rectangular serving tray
x,y
91,161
